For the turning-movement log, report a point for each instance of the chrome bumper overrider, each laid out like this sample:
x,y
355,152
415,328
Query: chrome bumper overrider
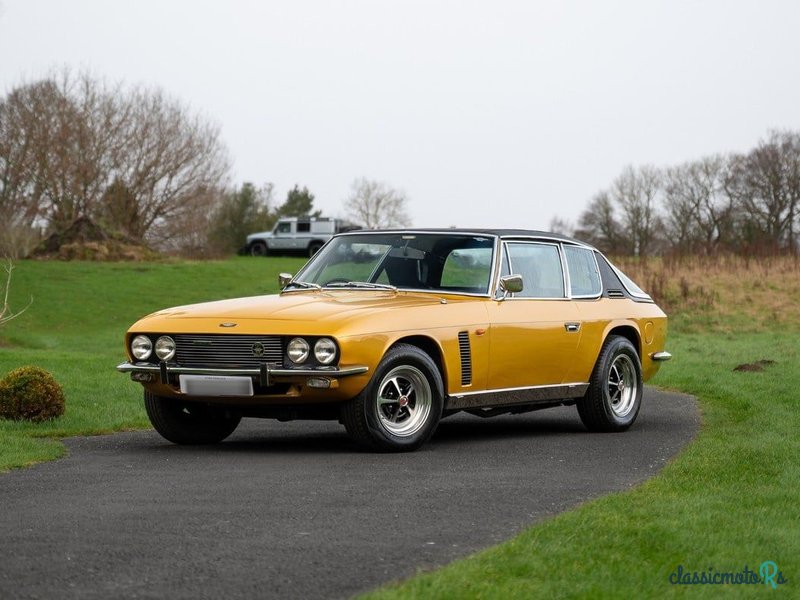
x,y
660,356
265,373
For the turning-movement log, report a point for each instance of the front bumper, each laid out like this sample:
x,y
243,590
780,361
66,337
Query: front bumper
x,y
266,373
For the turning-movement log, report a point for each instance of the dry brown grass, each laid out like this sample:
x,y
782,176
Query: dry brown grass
x,y
728,293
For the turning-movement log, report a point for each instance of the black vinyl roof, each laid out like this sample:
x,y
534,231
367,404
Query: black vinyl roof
x,y
503,233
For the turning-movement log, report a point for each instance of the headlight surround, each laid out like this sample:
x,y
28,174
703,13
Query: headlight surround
x,y
165,348
141,347
325,351
298,350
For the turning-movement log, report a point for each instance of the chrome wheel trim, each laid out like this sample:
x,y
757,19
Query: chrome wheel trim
x,y
622,385
404,401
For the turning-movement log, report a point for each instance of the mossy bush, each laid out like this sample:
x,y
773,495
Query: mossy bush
x,y
32,394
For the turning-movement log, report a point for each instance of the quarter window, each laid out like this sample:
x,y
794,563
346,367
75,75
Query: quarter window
x,y
540,267
584,280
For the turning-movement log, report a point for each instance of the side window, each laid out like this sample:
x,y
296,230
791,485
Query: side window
x,y
540,267
303,227
584,279
285,227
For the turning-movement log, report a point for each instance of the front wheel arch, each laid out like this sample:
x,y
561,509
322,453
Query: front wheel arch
x,y
420,389
430,347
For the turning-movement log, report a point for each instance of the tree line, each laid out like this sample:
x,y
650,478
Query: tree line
x,y
725,203
141,166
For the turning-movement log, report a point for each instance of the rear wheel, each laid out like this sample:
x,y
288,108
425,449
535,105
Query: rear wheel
x,y
258,249
615,391
189,422
402,404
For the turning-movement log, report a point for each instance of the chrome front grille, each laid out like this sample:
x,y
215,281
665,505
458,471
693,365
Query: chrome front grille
x,y
227,350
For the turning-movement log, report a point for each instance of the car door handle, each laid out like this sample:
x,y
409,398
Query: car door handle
x,y
572,327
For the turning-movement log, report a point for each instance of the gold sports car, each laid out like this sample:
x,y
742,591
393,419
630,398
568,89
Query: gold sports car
x,y
390,331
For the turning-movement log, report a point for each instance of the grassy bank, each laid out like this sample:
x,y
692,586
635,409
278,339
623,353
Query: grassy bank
x,y
74,329
729,501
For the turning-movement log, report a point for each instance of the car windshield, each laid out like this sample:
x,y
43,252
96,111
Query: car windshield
x,y
455,263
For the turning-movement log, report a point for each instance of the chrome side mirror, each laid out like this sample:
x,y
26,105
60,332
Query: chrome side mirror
x,y
510,284
284,279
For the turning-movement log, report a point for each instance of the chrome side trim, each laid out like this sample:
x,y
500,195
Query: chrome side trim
x,y
127,367
660,356
520,395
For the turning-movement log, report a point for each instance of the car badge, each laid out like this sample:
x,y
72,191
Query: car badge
x,y
258,350
227,324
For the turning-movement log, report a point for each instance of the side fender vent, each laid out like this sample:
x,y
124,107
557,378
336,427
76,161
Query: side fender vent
x,y
466,358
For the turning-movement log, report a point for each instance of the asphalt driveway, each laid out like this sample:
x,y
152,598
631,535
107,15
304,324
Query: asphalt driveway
x,y
294,510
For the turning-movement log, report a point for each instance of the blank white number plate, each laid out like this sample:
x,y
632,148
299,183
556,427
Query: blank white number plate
x,y
215,385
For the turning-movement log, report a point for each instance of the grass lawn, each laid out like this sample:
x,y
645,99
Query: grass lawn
x,y
730,500
75,328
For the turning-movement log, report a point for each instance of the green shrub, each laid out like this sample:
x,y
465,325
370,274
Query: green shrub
x,y
32,394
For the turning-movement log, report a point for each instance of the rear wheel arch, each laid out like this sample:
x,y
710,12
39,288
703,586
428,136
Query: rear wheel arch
x,y
630,333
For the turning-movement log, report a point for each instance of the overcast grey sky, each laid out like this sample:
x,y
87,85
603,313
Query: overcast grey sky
x,y
501,113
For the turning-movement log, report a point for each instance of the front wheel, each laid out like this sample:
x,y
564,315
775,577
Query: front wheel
x,y
615,391
401,406
189,422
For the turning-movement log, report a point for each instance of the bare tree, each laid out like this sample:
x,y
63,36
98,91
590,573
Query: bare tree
x,y
170,162
5,310
561,226
377,205
70,145
699,207
766,184
635,192
599,226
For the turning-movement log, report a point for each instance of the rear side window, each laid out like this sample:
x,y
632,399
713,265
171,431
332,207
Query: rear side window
x,y
584,278
540,267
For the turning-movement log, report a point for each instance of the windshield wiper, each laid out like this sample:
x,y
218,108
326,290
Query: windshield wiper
x,y
303,285
363,284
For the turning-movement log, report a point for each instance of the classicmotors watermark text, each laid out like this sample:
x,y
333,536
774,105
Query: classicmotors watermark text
x,y
767,574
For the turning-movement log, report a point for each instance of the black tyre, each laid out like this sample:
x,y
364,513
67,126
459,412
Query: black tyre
x,y
401,406
614,397
313,248
189,422
258,249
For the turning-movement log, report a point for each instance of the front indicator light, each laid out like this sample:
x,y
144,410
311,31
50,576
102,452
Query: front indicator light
x,y
325,351
318,382
141,347
298,349
165,348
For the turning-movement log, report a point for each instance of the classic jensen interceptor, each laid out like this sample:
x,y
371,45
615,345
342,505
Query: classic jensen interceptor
x,y
390,331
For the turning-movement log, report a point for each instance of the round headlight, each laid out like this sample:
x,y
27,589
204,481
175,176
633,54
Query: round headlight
x,y
165,347
297,350
141,347
325,350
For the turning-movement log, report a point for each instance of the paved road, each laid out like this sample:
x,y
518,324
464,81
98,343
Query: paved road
x,y
294,510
